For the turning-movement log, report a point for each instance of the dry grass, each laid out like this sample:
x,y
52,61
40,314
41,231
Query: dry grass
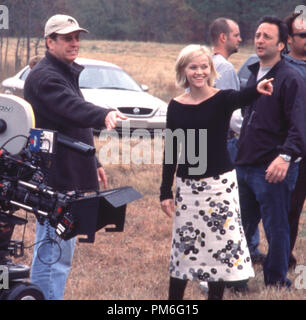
x,y
133,265
149,63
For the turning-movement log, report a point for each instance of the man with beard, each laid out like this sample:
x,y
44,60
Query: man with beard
x,y
269,144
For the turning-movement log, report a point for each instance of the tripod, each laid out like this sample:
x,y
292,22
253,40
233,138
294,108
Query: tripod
x,y
14,284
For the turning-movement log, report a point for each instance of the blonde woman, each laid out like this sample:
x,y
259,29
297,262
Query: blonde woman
x,y
208,242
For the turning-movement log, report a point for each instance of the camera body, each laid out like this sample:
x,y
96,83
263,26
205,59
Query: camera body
x,y
23,186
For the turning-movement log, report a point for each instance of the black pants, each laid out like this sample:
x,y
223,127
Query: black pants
x,y
297,201
177,288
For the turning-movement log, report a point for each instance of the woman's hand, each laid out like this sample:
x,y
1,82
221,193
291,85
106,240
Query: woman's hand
x,y
265,87
167,206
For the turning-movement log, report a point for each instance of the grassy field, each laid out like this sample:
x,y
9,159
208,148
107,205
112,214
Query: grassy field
x,y
133,265
149,63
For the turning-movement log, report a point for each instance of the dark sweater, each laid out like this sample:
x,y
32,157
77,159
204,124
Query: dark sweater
x,y
213,115
53,91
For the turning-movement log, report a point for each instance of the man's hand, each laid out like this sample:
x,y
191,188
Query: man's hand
x,y
265,87
111,119
102,178
167,206
277,170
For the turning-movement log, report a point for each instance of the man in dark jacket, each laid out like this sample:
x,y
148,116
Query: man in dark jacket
x,y
297,60
53,91
268,146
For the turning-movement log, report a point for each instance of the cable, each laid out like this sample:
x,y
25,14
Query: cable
x,y
48,239
44,242
12,138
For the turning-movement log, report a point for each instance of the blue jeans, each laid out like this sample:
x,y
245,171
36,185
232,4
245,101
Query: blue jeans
x,y
232,148
270,202
51,262
254,239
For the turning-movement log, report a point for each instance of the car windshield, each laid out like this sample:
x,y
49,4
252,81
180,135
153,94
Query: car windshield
x,y
100,77
25,74
244,71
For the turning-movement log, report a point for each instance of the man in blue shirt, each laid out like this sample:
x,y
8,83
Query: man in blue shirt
x,y
297,59
225,37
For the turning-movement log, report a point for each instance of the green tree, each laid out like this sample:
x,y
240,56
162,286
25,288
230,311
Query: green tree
x,y
147,20
246,13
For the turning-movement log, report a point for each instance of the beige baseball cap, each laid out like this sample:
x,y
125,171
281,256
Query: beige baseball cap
x,y
62,24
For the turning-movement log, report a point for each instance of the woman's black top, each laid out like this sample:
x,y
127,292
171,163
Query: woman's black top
x,y
204,152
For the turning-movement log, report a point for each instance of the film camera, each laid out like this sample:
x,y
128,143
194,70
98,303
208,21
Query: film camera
x,y
23,185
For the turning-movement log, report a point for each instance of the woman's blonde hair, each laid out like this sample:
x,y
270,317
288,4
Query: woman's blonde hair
x,y
185,56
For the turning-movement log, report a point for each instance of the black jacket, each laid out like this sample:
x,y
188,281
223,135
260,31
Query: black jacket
x,y
53,91
270,123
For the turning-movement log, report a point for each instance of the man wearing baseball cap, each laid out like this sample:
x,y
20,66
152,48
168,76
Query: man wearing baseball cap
x,y
62,24
53,91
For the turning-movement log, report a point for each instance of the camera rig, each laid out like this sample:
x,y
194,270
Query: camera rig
x,y
23,182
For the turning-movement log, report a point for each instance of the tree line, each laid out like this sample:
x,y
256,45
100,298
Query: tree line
x,y
171,21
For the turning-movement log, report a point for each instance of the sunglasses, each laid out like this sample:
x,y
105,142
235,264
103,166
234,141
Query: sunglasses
x,y
69,38
301,35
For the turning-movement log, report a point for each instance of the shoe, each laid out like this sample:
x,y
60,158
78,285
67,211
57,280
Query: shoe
x,y
258,258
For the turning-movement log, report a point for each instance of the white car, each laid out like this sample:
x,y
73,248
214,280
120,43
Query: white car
x,y
244,72
107,85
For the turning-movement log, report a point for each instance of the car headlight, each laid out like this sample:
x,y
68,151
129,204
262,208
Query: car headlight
x,y
162,112
8,91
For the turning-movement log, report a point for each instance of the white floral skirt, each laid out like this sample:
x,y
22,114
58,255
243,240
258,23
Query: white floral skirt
x,y
208,242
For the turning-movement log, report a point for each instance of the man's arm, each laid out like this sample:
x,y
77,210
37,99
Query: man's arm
x,y
294,97
61,105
